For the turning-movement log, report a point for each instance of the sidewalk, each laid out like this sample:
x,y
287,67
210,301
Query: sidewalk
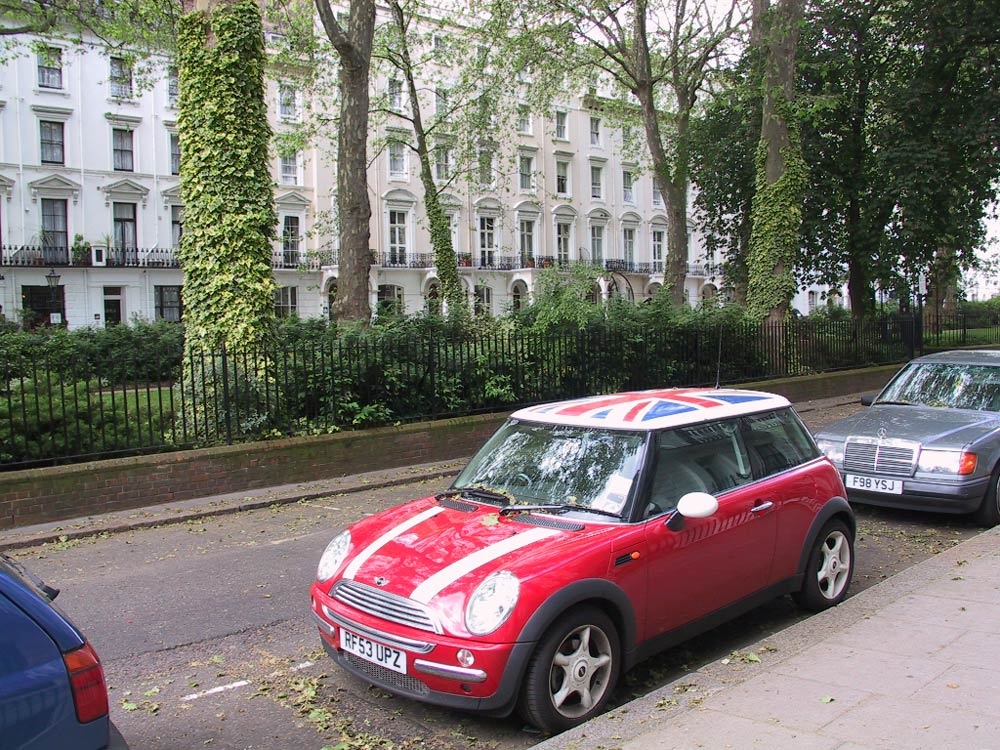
x,y
912,663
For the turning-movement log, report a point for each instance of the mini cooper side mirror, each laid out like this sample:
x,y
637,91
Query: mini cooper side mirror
x,y
692,505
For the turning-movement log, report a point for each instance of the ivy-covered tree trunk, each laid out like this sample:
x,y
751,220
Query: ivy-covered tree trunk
x,y
226,184
354,50
776,211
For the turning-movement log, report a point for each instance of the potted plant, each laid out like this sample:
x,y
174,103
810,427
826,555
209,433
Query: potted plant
x,y
80,251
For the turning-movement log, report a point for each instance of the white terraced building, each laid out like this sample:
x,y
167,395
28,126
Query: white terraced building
x,y
90,212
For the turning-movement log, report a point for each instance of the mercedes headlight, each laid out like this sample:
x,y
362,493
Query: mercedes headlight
x,y
333,556
947,462
492,602
834,450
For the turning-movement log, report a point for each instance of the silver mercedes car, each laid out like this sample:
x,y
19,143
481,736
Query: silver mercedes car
x,y
930,440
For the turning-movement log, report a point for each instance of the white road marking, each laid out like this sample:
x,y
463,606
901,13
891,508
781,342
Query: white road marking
x,y
219,689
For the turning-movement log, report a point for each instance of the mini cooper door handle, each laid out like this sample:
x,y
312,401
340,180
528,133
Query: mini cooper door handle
x,y
765,505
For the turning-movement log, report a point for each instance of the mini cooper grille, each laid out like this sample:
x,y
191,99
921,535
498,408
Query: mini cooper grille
x,y
382,676
385,605
879,457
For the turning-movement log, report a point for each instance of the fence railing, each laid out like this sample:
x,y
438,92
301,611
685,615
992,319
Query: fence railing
x,y
56,407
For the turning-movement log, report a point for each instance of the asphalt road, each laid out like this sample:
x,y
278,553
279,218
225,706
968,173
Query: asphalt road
x,y
205,632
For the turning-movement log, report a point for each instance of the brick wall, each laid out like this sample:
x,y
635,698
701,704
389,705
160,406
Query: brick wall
x,y
61,492
56,493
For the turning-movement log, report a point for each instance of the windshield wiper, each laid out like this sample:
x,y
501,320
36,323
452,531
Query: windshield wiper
x,y
479,493
554,508
893,403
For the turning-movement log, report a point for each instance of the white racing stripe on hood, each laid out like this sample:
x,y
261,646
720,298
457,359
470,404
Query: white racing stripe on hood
x,y
395,531
447,576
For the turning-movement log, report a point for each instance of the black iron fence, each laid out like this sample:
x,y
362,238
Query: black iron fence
x,y
59,406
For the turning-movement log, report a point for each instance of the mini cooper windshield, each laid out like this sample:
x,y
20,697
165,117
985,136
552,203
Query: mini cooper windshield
x,y
556,466
955,386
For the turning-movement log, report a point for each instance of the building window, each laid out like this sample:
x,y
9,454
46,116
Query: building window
x,y
176,225
597,243
657,196
121,78
628,192
487,173
441,101
173,86
397,160
290,169
286,301
442,163
564,236
112,306
628,244
167,303
390,299
125,225
526,240
54,229
395,95
526,172
175,154
659,237
813,300
487,241
523,119
483,304
562,177
432,300
596,182
50,68
121,141
288,106
562,129
518,296
52,135
397,238
291,237
595,131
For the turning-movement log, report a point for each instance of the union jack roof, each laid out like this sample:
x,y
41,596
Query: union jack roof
x,y
653,410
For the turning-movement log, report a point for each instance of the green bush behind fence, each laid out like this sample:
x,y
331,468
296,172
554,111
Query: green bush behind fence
x,y
128,389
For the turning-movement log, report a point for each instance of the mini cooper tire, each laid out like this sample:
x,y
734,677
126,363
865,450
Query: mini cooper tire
x,y
829,568
988,514
573,671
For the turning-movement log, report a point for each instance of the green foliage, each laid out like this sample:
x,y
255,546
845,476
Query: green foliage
x,y
141,352
50,416
564,298
776,218
225,178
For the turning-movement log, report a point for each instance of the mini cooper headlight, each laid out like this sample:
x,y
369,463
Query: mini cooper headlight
x,y
947,462
492,602
834,450
333,556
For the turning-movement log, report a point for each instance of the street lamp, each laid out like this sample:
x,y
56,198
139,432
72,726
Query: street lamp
x,y
52,278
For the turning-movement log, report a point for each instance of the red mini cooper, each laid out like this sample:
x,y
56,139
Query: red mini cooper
x,y
584,536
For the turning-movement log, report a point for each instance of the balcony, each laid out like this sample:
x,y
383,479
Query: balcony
x,y
88,256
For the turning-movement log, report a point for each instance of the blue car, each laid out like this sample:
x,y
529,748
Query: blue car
x,y
52,689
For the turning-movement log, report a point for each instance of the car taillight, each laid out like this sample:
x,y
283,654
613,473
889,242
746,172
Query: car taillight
x,y
90,694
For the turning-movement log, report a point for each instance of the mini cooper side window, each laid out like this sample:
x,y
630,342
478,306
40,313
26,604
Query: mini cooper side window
x,y
701,458
776,441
